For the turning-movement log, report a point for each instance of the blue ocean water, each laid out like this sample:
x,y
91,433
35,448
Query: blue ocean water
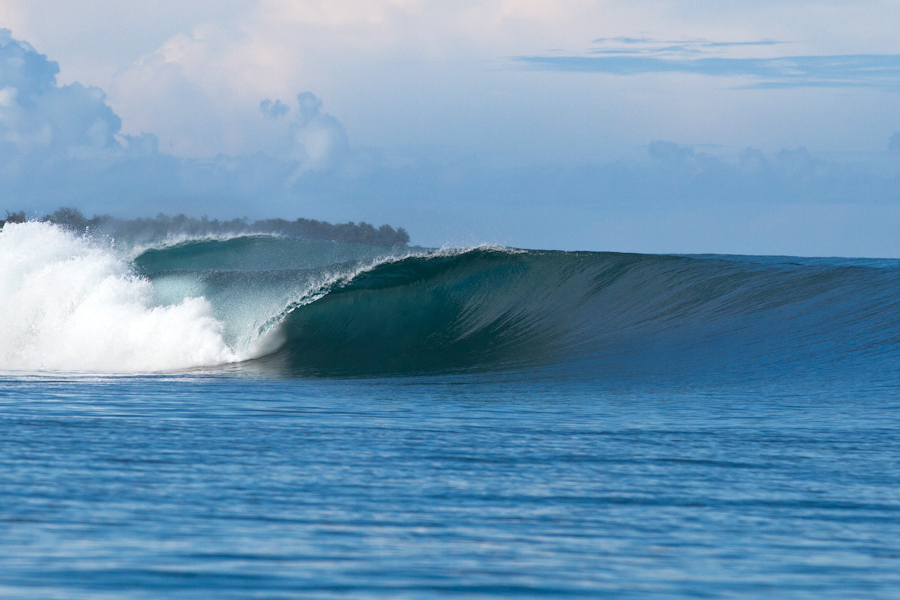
x,y
275,418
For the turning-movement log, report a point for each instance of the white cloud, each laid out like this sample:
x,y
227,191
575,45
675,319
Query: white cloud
x,y
423,73
42,122
62,143
315,139
415,72
93,39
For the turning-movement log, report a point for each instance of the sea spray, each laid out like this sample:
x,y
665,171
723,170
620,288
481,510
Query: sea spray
x,y
68,303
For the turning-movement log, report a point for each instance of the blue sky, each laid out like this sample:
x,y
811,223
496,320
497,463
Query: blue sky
x,y
651,126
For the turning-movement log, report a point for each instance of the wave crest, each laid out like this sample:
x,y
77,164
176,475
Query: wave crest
x,y
68,303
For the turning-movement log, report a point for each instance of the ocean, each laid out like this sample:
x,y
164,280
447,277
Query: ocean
x,y
270,417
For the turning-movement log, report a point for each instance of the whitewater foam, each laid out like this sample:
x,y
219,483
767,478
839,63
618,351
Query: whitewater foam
x,y
69,304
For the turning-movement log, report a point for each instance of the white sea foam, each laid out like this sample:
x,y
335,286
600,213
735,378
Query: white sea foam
x,y
68,304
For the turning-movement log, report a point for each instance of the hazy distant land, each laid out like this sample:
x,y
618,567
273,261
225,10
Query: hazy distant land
x,y
164,226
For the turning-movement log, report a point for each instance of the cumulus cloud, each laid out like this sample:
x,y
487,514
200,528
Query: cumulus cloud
x,y
389,56
43,122
63,144
273,110
315,139
182,69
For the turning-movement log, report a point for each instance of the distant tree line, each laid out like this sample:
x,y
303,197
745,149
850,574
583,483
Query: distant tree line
x,y
163,226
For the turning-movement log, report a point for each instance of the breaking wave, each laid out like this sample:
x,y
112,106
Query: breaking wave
x,y
323,308
67,304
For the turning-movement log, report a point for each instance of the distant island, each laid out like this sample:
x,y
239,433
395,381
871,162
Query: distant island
x,y
164,226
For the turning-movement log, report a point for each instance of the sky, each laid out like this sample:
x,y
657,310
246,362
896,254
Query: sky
x,y
659,126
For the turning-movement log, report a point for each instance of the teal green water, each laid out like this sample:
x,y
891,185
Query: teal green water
x,y
477,423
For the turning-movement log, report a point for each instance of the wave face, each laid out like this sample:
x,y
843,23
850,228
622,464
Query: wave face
x,y
329,309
